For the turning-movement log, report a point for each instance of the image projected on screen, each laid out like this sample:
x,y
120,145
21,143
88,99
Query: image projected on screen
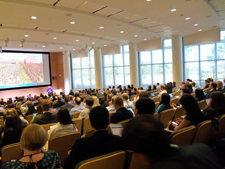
x,y
21,69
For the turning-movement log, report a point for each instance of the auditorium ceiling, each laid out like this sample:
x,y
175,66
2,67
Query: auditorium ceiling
x,y
68,25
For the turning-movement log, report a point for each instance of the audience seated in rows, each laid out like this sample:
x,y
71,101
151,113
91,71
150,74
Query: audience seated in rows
x,y
58,103
146,136
194,115
99,144
47,117
78,107
216,105
111,107
144,106
126,102
67,105
34,155
164,103
65,124
106,103
85,113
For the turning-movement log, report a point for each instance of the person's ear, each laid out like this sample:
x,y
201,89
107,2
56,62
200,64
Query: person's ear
x,y
143,159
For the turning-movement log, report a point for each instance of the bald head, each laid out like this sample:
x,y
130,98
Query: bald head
x,y
78,100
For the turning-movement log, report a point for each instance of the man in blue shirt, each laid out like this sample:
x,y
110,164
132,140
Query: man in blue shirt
x,y
78,106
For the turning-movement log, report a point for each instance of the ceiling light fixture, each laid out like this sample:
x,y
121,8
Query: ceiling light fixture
x,y
93,43
43,46
105,45
145,39
60,48
187,18
135,36
55,38
196,24
200,30
101,27
148,0
72,22
26,36
77,40
121,31
74,49
173,10
33,17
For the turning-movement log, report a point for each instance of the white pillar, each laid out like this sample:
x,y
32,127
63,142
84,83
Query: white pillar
x,y
67,72
133,64
98,69
177,48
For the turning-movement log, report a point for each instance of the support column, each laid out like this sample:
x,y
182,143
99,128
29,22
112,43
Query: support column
x,y
98,69
133,64
177,48
67,72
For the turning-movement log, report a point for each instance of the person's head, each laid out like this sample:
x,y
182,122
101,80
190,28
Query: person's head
x,y
109,96
59,98
165,99
89,101
129,91
190,105
218,100
213,85
28,103
13,121
144,106
66,99
189,86
99,117
11,111
186,90
163,87
33,137
193,84
95,99
154,87
146,136
219,84
149,87
45,104
118,103
63,116
125,96
77,100
31,108
174,83
39,109
157,84
199,94
143,94
206,81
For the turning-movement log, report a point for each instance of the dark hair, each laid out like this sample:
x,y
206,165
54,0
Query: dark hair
x,y
186,90
154,87
39,109
31,109
89,101
145,106
199,94
118,101
189,86
214,85
66,99
218,100
99,117
13,121
190,105
143,94
165,99
144,134
149,87
63,116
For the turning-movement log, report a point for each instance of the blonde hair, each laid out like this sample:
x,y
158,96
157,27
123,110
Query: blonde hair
x,y
96,103
33,137
11,111
219,84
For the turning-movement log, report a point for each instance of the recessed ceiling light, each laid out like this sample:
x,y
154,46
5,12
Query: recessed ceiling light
x,y
26,35
55,38
33,17
145,39
121,31
60,48
200,30
72,22
105,45
173,10
101,27
77,40
196,24
74,49
148,0
43,46
93,42
135,36
187,18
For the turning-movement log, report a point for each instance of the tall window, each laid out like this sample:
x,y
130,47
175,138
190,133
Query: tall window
x,y
205,61
117,68
156,65
83,71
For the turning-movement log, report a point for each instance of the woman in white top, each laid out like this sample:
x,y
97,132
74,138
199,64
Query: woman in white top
x,y
65,124
96,103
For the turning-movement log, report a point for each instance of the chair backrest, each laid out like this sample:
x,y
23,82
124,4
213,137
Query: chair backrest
x,y
110,113
90,132
29,118
2,117
124,122
155,99
202,104
179,112
132,97
221,120
174,100
206,90
166,116
135,163
176,93
183,136
62,144
204,132
156,105
47,127
11,152
54,112
114,160
1,122
156,115
78,123
86,124
76,114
